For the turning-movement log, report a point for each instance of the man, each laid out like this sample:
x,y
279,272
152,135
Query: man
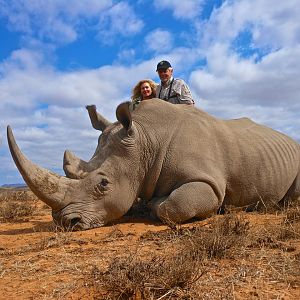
x,y
173,90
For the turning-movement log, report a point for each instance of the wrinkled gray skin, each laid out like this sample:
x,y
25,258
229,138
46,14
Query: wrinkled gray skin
x,y
184,162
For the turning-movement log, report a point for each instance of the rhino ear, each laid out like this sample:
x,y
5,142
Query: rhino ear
x,y
124,116
98,121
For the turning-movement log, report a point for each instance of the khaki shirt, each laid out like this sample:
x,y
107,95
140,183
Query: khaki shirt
x,y
179,94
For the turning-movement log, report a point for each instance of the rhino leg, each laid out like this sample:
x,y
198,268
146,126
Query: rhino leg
x,y
293,192
295,188
195,199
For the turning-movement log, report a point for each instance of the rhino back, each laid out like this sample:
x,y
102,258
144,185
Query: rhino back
x,y
243,162
266,164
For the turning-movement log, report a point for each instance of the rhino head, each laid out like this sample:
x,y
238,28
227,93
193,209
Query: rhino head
x,y
104,192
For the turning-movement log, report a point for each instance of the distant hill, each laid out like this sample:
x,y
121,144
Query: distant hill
x,y
14,186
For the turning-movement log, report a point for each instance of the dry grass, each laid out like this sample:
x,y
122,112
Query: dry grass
x,y
130,276
15,211
59,239
24,194
178,267
16,205
185,266
233,256
277,234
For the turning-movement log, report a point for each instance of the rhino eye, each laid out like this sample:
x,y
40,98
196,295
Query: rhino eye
x,y
104,182
100,188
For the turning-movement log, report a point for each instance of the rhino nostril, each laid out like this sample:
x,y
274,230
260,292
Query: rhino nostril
x,y
74,221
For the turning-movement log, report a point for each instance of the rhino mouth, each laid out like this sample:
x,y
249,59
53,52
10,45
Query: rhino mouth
x,y
74,221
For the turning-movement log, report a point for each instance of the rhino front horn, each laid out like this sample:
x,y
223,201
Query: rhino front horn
x,y
46,185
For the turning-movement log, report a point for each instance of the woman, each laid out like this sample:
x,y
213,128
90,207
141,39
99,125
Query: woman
x,y
144,90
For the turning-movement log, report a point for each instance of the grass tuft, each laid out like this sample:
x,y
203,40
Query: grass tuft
x,y
15,211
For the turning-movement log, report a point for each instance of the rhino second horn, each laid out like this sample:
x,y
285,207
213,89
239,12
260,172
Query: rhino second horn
x,y
74,167
46,185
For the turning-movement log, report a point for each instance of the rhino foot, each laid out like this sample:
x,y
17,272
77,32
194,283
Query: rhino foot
x,y
154,206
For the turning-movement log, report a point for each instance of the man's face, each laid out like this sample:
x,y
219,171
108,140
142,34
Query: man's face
x,y
165,75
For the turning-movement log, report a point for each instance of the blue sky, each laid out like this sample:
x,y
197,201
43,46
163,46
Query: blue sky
x,y
240,58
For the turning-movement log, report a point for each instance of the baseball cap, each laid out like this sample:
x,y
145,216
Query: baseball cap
x,y
163,65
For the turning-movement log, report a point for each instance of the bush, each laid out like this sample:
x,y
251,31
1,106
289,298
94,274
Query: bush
x,y
15,211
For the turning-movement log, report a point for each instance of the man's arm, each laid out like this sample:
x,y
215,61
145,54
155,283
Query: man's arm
x,y
183,92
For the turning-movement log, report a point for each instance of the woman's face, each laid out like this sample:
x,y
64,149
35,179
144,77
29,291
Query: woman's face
x,y
146,90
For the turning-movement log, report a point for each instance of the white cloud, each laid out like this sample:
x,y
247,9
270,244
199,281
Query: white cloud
x,y
120,19
127,55
46,107
55,20
67,128
187,9
26,81
279,25
270,82
265,88
159,41
272,26
267,91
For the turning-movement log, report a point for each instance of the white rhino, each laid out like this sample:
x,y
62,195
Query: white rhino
x,y
181,160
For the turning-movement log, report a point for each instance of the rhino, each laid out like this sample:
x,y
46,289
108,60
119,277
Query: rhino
x,y
182,161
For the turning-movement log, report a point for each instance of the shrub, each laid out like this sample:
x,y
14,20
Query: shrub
x,y
14,211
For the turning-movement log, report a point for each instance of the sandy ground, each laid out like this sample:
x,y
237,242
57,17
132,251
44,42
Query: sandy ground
x,y
39,261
